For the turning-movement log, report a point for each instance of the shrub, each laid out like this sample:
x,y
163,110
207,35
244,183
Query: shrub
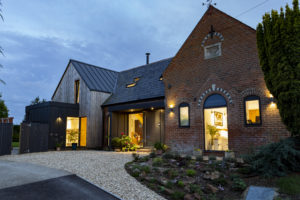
x,y
172,173
152,155
244,170
168,156
135,156
188,158
238,184
195,189
180,184
178,195
276,159
157,162
116,142
199,158
169,185
289,185
144,158
190,172
145,169
160,146
220,181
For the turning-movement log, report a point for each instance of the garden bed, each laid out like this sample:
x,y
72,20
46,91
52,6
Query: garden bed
x,y
177,176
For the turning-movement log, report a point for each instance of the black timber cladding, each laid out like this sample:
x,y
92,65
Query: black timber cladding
x,y
48,113
149,85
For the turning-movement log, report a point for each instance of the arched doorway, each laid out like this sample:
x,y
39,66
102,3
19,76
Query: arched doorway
x,y
215,123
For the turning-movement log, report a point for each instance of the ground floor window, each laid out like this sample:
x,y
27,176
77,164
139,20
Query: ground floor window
x,y
83,123
72,132
252,110
136,128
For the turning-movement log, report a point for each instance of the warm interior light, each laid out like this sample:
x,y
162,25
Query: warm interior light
x,y
273,105
171,105
69,124
152,108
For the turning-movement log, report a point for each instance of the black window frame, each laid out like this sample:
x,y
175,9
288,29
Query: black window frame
x,y
250,98
183,104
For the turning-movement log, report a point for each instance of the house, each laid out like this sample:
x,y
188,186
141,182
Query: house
x,y
211,95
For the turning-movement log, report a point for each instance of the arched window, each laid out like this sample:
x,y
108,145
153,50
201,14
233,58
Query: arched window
x,y
214,101
184,115
252,110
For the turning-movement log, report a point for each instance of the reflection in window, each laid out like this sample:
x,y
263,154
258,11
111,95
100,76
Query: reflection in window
x,y
252,110
184,120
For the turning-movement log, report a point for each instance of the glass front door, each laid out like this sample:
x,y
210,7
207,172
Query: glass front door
x,y
136,128
216,131
72,132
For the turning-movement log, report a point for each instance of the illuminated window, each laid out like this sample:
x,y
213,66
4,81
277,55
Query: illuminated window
x,y
130,85
72,131
184,115
212,51
76,91
252,110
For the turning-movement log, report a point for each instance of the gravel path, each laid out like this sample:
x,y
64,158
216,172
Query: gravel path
x,y
105,169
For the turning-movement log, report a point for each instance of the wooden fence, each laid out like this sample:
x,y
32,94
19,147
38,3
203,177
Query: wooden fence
x,y
34,137
6,130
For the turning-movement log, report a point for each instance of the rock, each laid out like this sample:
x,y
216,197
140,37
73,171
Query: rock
x,y
219,158
205,158
197,196
187,188
188,181
211,175
240,160
211,188
255,192
163,181
188,197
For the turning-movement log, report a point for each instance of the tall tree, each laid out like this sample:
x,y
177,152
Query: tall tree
x,y
278,42
3,108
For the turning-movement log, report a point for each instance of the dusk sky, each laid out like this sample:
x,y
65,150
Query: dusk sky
x,y
39,37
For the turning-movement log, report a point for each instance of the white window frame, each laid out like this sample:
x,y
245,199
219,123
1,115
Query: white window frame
x,y
214,56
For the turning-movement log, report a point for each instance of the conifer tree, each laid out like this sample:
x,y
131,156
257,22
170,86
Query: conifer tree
x,y
278,42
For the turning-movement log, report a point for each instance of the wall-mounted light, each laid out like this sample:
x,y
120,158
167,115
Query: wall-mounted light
x,y
273,102
152,108
171,106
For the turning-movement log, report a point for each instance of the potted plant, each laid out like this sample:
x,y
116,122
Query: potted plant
x,y
229,154
116,144
73,138
214,134
58,146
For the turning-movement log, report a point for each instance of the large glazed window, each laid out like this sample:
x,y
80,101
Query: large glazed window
x,y
252,110
72,132
136,128
215,123
184,115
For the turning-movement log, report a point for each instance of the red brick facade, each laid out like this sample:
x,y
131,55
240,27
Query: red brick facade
x,y
235,74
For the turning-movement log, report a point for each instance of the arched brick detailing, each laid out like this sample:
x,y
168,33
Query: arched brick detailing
x,y
253,91
215,34
215,89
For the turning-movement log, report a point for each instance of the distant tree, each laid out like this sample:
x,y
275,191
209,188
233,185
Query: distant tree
x,y
278,42
3,108
37,100
1,50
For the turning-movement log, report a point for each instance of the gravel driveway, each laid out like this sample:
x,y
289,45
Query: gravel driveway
x,y
105,169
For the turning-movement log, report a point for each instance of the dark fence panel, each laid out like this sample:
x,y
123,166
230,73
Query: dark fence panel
x,y
6,130
34,137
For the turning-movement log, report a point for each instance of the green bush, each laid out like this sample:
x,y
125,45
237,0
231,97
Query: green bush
x,y
170,185
144,158
190,172
168,156
238,184
276,159
160,146
289,184
116,142
195,189
172,173
178,195
220,181
157,162
180,184
135,156
145,169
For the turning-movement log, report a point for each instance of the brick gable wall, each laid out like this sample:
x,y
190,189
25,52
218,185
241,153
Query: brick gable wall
x,y
235,74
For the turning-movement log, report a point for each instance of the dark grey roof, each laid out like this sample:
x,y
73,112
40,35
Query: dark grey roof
x,y
96,78
149,86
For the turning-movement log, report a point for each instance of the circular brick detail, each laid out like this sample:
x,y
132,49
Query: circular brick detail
x,y
215,34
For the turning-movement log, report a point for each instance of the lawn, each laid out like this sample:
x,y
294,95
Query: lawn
x,y
15,144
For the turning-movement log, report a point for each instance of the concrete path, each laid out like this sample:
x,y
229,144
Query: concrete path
x,y
24,181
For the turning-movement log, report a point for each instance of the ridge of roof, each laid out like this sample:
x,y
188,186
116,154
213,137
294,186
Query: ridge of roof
x,y
73,60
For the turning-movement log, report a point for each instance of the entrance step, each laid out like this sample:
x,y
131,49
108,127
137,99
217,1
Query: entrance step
x,y
145,150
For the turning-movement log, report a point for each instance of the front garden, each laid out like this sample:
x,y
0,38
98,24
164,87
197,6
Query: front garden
x,y
180,176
